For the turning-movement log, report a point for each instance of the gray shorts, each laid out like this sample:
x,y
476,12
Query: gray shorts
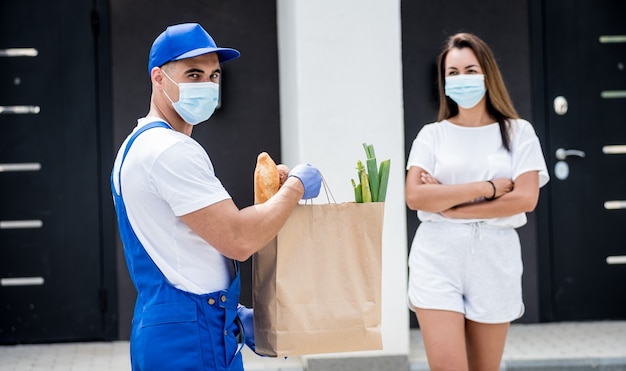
x,y
471,268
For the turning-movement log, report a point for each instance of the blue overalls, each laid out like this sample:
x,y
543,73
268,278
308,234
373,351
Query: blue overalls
x,y
174,329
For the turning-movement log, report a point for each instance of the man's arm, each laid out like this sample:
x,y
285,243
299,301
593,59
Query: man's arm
x,y
238,234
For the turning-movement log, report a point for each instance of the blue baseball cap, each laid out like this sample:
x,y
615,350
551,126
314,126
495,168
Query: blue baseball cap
x,y
185,40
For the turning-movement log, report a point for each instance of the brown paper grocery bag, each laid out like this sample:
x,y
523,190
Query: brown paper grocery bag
x,y
317,285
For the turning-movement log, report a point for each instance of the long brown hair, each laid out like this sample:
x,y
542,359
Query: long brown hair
x,y
499,103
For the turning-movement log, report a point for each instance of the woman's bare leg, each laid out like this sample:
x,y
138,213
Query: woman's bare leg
x,y
444,339
485,345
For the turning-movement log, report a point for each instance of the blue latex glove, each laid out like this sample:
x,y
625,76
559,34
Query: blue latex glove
x,y
310,177
246,316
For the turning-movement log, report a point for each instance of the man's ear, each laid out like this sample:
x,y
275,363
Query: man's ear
x,y
156,75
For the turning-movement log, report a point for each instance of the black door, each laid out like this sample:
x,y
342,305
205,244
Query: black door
x,y
585,102
54,280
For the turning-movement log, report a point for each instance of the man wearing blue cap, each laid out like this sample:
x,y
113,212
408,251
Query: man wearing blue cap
x,y
183,235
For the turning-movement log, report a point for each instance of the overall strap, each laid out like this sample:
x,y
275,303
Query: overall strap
x,y
155,124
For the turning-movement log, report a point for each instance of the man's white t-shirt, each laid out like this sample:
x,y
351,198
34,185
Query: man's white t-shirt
x,y
167,174
455,154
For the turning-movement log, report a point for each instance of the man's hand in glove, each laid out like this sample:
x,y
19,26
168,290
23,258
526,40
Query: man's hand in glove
x,y
310,177
246,316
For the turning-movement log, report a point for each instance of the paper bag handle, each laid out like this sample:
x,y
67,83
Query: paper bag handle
x,y
329,194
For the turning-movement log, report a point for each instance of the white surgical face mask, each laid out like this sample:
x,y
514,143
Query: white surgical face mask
x,y
196,100
466,90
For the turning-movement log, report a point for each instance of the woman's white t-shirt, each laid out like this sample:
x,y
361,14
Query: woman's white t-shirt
x,y
455,154
167,174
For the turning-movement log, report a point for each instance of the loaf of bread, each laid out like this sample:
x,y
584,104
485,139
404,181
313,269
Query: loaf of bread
x,y
266,178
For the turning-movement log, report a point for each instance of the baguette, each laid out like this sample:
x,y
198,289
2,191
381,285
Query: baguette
x,y
266,178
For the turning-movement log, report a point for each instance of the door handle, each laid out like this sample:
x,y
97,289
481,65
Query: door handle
x,y
562,153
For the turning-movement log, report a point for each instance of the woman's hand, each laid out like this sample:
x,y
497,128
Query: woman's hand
x,y
503,186
428,179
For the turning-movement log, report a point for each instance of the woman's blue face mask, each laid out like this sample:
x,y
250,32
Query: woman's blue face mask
x,y
466,90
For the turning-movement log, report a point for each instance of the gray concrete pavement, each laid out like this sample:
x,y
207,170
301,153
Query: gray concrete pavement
x,y
598,345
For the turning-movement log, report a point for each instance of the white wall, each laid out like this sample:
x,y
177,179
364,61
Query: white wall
x,y
341,85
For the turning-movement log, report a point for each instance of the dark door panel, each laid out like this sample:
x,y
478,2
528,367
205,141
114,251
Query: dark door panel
x,y
53,272
588,233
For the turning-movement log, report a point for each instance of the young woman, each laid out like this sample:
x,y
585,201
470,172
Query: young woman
x,y
471,176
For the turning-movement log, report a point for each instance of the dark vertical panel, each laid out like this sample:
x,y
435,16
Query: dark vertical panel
x,y
248,121
68,251
544,256
579,67
505,27
101,48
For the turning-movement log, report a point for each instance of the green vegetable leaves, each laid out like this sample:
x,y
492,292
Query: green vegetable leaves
x,y
372,179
